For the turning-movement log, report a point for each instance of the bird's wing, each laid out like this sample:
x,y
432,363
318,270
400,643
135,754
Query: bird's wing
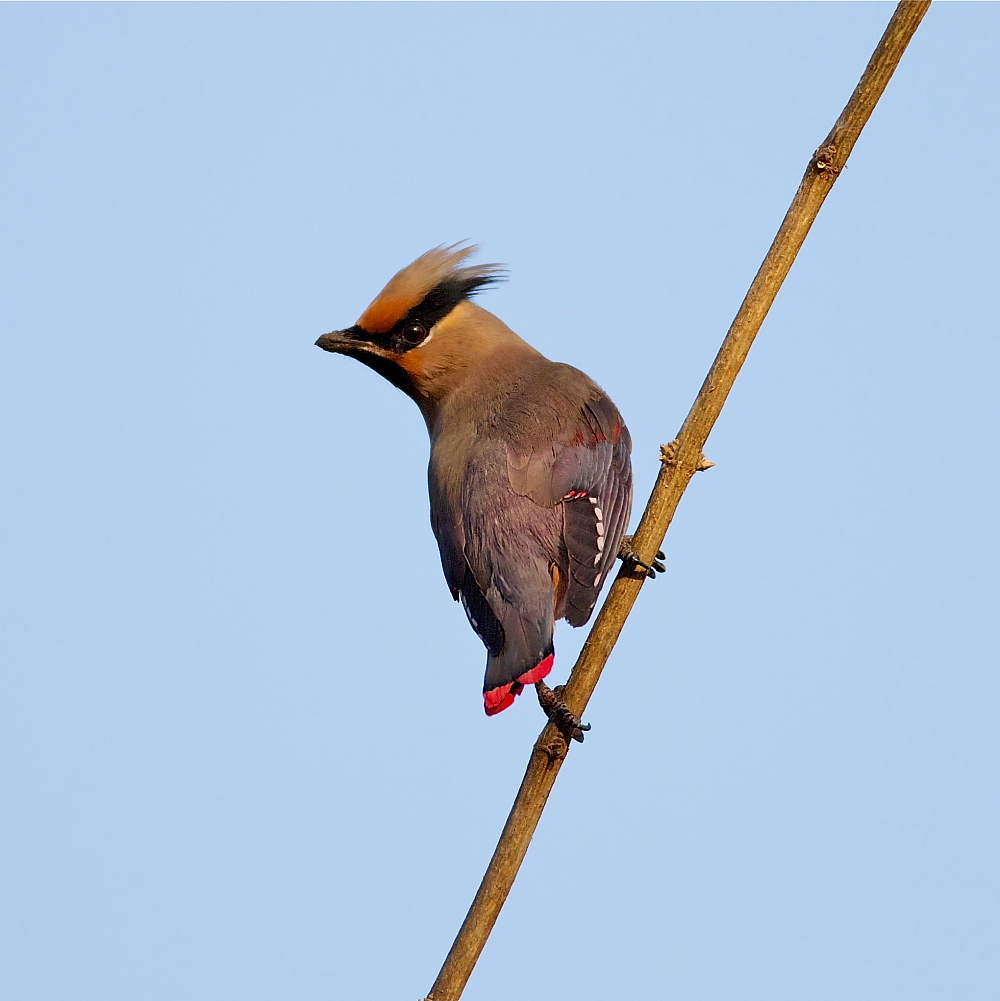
x,y
510,545
472,525
449,530
585,467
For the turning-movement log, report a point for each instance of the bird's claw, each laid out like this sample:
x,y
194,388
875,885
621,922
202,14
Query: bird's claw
x,y
629,556
568,723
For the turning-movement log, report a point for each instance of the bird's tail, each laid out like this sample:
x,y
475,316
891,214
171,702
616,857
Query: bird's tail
x,y
526,657
514,619
499,698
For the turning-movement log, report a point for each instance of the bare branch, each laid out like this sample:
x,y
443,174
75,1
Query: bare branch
x,y
680,460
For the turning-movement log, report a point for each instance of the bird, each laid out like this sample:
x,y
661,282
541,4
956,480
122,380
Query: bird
x,y
530,475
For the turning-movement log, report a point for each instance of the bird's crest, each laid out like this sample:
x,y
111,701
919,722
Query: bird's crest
x,y
408,288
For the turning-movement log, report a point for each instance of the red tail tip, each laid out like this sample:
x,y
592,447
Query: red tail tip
x,y
538,671
498,699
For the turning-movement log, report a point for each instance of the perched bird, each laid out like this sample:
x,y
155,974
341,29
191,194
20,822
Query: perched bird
x,y
530,477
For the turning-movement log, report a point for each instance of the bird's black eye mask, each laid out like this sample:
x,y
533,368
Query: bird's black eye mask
x,y
412,330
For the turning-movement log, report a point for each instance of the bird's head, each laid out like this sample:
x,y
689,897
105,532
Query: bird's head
x,y
421,332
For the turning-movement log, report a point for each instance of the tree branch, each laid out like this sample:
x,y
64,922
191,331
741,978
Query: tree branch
x,y
680,460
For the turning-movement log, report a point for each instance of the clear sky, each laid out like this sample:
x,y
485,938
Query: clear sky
x,y
242,746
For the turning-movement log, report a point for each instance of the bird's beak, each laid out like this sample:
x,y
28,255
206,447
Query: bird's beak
x,y
336,341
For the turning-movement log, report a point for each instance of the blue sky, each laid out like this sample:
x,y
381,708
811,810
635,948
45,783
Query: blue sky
x,y
242,749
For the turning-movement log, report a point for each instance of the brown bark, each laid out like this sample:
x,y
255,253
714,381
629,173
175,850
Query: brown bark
x,y
680,460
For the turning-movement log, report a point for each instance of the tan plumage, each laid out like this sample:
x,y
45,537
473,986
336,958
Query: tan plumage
x,y
408,287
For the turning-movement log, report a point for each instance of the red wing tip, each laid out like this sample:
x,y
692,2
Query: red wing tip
x,y
498,699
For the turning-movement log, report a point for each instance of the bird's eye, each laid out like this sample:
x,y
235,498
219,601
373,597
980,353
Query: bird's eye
x,y
414,333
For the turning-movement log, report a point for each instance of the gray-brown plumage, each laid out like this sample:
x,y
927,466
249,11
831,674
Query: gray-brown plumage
x,y
530,478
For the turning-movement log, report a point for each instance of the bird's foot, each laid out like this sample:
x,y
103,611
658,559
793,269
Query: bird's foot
x,y
630,558
569,724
